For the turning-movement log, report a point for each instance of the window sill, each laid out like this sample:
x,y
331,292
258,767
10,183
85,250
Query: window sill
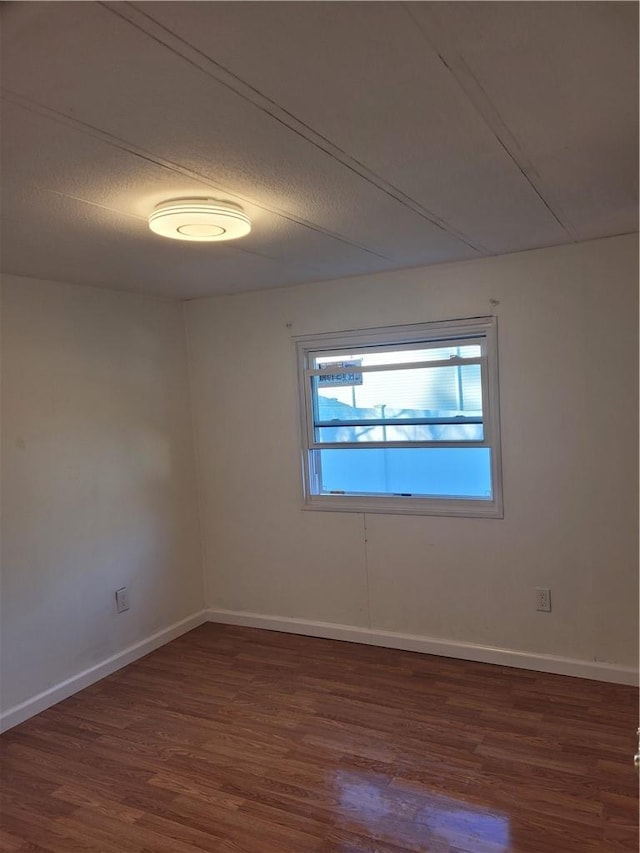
x,y
404,506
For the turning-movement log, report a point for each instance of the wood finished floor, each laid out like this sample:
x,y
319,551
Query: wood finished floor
x,y
245,741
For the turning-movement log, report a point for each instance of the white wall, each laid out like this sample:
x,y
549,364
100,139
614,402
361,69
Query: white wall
x,y
98,479
568,376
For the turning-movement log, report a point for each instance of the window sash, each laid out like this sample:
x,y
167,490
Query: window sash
x,y
311,398
454,361
458,419
321,489
381,445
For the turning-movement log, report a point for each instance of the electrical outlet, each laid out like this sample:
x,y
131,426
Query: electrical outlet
x,y
543,599
122,599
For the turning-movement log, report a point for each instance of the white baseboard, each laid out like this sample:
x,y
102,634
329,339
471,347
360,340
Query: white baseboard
x,y
329,630
25,710
428,645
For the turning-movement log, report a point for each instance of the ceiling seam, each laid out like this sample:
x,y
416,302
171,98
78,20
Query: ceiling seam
x,y
478,98
229,246
129,148
304,131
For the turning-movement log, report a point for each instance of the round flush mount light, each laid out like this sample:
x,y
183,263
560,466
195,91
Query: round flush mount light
x,y
199,219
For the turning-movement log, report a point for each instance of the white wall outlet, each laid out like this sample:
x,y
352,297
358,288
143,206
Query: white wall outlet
x,y
122,599
543,599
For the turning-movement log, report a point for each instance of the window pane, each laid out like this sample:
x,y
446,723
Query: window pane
x,y
434,393
458,472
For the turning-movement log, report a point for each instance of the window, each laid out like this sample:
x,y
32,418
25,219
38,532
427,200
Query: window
x,y
402,419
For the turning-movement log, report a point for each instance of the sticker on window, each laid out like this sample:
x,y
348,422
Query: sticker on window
x,y
334,380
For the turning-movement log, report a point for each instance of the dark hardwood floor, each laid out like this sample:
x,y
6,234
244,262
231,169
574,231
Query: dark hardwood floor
x,y
245,741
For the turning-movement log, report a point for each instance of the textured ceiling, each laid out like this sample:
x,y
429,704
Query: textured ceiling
x,y
359,137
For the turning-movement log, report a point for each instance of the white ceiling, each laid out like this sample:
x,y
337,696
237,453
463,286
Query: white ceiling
x,y
359,137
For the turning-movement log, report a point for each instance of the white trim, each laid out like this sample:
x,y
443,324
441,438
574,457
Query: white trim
x,y
64,689
429,645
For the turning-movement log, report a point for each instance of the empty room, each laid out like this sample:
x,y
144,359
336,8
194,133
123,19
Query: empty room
x,y
319,427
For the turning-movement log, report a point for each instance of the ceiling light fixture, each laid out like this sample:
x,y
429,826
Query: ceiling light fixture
x,y
199,219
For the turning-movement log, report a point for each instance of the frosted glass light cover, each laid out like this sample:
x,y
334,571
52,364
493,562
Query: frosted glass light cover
x,y
199,220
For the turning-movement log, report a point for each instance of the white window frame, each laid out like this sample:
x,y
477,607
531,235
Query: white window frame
x,y
483,328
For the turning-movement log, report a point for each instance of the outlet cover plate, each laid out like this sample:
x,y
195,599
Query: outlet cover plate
x,y
543,599
122,599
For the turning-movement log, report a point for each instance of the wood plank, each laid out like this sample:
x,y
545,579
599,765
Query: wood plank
x,y
237,740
